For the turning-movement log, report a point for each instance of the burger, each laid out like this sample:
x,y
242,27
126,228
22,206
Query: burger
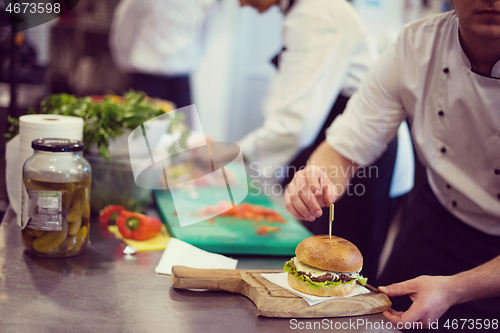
x,y
325,266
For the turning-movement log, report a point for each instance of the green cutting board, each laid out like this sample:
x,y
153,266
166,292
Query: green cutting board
x,y
228,235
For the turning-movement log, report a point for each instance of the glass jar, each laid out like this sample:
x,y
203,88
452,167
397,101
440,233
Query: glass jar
x,y
55,198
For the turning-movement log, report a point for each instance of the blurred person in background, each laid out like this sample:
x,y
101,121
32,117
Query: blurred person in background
x,y
160,42
326,55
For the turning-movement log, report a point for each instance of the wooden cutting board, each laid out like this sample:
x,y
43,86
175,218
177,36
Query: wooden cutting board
x,y
272,300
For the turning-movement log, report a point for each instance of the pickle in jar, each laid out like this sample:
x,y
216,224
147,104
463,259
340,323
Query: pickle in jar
x,y
34,233
50,241
74,243
75,226
77,208
74,202
67,199
27,239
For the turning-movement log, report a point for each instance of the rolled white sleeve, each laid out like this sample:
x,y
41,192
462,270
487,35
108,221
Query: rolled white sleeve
x,y
319,48
373,114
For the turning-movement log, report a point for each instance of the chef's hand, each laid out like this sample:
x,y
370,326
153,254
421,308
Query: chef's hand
x,y
431,296
309,190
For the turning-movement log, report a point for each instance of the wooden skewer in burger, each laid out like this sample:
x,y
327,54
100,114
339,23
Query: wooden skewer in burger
x,y
325,266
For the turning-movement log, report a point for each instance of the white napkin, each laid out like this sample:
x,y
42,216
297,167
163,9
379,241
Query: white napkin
x,y
281,279
181,253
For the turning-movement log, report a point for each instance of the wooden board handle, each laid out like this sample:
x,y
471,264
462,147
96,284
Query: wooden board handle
x,y
212,279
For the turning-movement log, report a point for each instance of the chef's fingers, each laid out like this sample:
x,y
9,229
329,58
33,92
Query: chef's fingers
x,y
404,320
297,212
398,289
328,191
301,207
292,210
312,175
329,196
393,315
289,205
413,314
310,200
417,313
321,187
294,203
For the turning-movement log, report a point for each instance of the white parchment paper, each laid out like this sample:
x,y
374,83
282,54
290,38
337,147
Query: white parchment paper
x,y
281,279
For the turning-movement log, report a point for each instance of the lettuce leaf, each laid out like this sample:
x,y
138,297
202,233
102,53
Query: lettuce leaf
x,y
362,280
290,268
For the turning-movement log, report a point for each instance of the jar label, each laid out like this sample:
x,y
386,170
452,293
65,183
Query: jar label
x,y
42,210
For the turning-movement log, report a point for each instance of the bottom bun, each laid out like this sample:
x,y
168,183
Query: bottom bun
x,y
300,285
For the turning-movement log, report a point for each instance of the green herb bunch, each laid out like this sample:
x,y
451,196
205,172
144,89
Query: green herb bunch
x,y
107,117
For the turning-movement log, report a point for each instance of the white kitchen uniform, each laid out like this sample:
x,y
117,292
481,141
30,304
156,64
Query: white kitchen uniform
x,y
326,54
454,113
159,36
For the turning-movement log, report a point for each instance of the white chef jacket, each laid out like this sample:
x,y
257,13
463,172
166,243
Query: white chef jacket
x,y
327,53
454,112
159,36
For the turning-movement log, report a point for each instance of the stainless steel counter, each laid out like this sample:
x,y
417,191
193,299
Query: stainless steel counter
x,y
102,291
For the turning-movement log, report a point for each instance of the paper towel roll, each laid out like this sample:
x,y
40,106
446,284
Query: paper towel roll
x,y
18,150
37,126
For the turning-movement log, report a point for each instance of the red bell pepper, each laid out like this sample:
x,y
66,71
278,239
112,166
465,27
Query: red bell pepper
x,y
137,226
110,213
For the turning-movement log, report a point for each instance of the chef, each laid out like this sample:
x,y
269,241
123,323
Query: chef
x,y
444,75
326,55
160,43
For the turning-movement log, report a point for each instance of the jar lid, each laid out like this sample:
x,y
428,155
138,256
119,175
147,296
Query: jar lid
x,y
57,145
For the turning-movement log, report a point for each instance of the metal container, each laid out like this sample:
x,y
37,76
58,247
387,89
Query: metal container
x,y
113,184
